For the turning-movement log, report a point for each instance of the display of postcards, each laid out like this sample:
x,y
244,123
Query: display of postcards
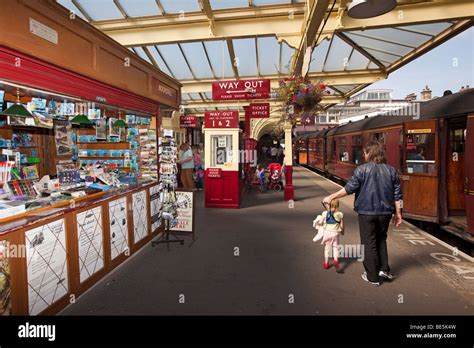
x,y
168,168
143,138
67,109
113,130
130,119
62,135
83,153
23,158
101,129
143,131
167,159
93,114
68,172
113,139
123,134
38,103
30,173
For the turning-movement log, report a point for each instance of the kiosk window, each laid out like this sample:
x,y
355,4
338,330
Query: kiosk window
x,y
420,153
221,149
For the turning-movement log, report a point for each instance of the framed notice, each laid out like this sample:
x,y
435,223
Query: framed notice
x,y
46,265
155,208
185,212
118,228
140,216
5,280
89,241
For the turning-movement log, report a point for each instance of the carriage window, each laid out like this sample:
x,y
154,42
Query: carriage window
x,y
457,139
382,137
343,154
357,152
420,153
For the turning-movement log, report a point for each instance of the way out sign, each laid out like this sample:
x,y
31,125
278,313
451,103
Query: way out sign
x,y
241,89
221,119
259,110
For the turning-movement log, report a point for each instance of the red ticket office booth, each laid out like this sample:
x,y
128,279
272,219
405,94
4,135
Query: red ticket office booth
x,y
223,180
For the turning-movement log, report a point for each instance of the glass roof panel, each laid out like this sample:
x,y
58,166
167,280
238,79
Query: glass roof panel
x,y
197,59
286,55
219,57
380,45
357,61
394,35
176,6
141,53
247,58
174,59
270,2
268,53
222,4
338,55
72,8
208,95
195,96
382,56
318,55
345,88
100,10
372,65
185,96
140,8
159,61
431,28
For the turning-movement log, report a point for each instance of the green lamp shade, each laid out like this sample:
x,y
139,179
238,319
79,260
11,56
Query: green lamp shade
x,y
120,124
16,110
81,120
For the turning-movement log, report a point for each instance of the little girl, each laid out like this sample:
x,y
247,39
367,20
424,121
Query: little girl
x,y
333,225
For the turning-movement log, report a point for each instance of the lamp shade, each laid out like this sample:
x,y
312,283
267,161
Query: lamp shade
x,y
361,9
81,120
120,124
16,110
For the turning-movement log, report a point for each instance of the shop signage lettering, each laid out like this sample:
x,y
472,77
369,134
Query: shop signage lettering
x,y
241,89
259,110
188,122
215,173
221,119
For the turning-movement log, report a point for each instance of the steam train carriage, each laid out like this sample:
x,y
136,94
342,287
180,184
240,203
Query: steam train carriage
x,y
431,154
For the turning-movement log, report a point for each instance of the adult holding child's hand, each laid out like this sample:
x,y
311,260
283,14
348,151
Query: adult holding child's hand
x,y
378,196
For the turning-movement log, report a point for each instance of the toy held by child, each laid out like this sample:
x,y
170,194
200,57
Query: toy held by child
x,y
332,225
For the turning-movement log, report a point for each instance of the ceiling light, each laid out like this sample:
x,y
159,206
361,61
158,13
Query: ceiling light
x,y
370,8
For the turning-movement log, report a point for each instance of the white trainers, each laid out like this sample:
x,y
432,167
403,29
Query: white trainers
x,y
387,275
364,276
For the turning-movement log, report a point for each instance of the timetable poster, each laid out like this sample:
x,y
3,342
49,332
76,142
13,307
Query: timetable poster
x,y
91,251
155,207
5,290
118,227
46,265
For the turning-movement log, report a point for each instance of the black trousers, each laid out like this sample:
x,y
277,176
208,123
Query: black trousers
x,y
373,236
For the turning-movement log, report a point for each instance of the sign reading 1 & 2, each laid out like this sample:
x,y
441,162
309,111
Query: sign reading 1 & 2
x,y
221,119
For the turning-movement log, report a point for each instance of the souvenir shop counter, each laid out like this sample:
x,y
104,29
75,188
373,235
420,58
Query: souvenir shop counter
x,y
51,256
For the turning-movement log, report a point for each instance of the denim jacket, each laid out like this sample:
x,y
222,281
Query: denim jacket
x,y
376,187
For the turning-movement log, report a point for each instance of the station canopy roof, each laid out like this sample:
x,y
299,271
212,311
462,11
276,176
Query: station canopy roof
x,y
200,41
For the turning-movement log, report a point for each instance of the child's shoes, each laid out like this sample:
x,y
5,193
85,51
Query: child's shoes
x,y
326,265
337,266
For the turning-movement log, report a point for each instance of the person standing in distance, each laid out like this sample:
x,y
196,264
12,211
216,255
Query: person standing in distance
x,y
378,196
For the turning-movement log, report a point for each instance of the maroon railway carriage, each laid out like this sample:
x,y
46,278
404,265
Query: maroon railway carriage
x,y
434,155
438,170
344,144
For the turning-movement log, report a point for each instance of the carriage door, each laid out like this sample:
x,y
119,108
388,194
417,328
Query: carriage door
x,y
420,170
469,179
455,171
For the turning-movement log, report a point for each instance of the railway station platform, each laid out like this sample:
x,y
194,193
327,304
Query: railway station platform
x,y
261,260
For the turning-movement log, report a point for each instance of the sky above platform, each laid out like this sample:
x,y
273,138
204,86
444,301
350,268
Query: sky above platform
x,y
448,66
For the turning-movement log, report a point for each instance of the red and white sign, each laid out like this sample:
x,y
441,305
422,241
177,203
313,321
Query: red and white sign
x,y
307,119
241,89
188,121
221,119
214,173
259,110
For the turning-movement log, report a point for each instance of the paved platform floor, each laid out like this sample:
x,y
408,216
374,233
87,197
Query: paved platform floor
x,y
279,269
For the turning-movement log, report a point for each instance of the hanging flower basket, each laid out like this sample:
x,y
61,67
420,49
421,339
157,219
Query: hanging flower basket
x,y
299,94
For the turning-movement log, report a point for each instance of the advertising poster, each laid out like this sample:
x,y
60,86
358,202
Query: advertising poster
x,y
101,129
155,208
118,227
46,265
91,251
140,218
185,203
5,290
